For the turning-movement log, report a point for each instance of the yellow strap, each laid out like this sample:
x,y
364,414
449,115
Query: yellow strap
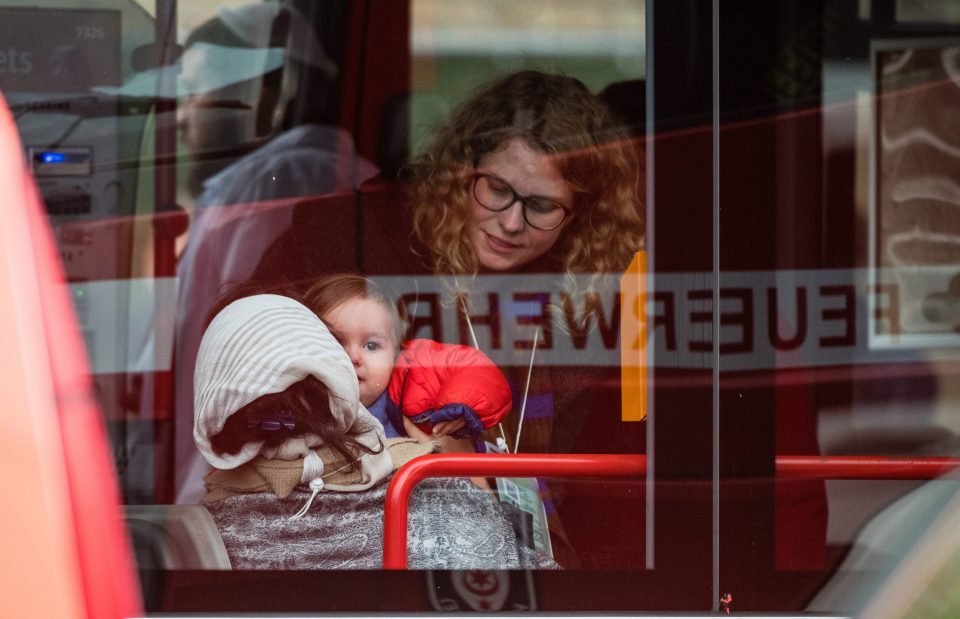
x,y
633,343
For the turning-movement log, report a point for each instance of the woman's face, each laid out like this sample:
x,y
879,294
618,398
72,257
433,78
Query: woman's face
x,y
504,241
365,330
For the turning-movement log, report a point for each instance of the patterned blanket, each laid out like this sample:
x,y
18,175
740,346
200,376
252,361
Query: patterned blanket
x,y
452,525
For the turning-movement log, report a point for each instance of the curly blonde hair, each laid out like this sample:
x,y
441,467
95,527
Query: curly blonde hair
x,y
559,116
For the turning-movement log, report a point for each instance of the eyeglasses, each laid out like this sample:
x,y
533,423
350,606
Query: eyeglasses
x,y
495,194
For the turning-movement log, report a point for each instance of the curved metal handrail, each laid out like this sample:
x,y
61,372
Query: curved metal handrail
x,y
618,465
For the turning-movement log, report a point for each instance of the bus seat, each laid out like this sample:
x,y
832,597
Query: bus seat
x,y
628,100
171,537
406,121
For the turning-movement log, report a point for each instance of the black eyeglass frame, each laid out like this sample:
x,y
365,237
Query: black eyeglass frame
x,y
523,200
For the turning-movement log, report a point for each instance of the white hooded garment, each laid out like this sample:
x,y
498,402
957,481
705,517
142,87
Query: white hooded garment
x,y
260,345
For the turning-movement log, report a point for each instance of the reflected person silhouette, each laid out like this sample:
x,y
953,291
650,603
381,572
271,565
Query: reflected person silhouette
x,y
248,169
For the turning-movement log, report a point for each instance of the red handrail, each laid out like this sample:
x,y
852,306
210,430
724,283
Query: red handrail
x,y
487,465
606,465
863,467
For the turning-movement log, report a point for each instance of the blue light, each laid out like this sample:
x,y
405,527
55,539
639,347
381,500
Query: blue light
x,y
53,157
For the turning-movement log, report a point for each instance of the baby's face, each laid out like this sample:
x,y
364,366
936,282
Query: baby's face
x,y
365,330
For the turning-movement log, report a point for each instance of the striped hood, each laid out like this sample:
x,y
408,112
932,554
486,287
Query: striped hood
x,y
260,345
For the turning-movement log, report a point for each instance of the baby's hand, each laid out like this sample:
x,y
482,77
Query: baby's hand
x,y
447,428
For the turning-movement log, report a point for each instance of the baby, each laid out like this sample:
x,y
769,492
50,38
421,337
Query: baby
x,y
425,388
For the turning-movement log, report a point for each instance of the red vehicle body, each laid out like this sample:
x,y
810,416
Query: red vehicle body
x,y
66,551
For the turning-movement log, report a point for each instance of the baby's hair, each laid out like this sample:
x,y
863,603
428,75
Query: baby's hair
x,y
308,401
327,293
234,291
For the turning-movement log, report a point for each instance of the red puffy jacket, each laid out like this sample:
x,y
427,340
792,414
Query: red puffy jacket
x,y
433,382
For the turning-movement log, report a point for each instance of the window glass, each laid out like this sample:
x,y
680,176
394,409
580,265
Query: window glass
x,y
726,267
834,262
271,144
457,45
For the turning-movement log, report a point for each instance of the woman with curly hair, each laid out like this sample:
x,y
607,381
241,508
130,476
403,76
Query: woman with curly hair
x,y
531,173
533,176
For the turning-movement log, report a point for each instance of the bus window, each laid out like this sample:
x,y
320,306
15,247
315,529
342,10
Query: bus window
x,y
714,242
834,260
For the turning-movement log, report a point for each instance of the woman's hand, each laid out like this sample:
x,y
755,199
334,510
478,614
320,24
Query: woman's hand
x,y
414,432
452,445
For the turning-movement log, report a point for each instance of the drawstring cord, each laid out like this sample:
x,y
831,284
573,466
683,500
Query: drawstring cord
x,y
502,439
316,485
313,470
526,391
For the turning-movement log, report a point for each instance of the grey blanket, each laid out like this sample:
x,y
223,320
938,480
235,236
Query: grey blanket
x,y
452,525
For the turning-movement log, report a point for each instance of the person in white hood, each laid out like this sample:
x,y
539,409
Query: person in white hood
x,y
270,380
300,463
